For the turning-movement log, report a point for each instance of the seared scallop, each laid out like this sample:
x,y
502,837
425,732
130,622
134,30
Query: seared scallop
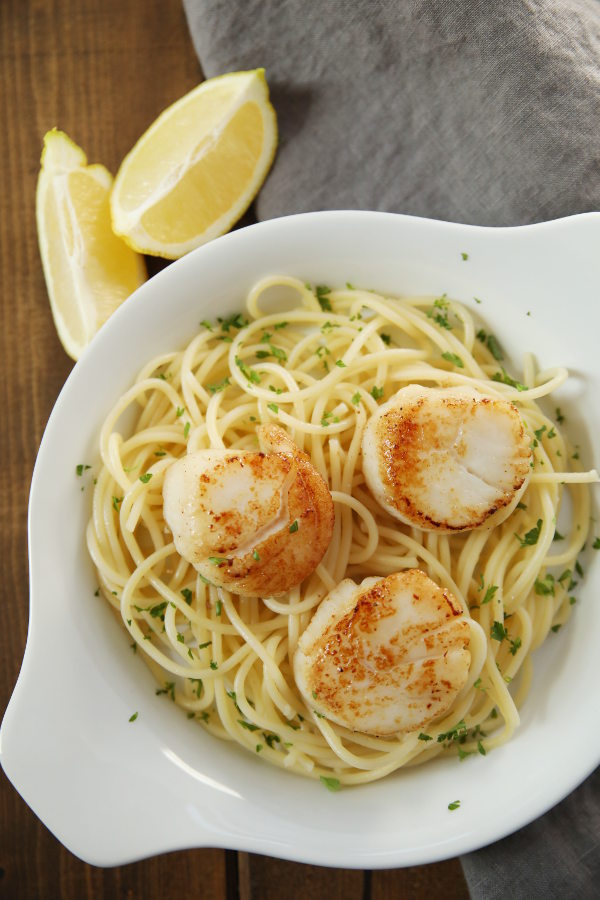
x,y
446,459
255,522
386,656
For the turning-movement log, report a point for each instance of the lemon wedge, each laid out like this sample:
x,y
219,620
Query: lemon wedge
x,y
198,167
89,271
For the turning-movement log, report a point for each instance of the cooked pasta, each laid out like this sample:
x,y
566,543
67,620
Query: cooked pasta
x,y
320,370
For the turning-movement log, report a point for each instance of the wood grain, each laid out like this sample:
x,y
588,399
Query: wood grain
x,y
101,70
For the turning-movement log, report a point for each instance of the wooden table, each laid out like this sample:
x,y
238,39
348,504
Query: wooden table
x,y
101,70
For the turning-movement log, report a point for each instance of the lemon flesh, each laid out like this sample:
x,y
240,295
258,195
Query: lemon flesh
x,y
89,271
196,170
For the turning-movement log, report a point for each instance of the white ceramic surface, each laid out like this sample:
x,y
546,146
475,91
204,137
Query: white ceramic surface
x,y
114,791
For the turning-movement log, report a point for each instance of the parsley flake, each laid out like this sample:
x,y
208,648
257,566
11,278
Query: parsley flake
x,y
545,586
249,726
454,359
490,593
332,784
532,536
498,632
322,291
248,373
505,378
219,386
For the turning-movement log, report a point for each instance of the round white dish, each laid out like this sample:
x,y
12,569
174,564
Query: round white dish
x,y
114,791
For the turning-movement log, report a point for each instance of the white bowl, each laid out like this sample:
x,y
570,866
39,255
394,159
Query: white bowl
x,y
113,791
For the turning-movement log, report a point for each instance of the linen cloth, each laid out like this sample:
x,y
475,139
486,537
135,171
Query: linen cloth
x,y
463,110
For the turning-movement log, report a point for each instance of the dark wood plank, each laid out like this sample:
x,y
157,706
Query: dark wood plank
x,y
443,879
263,878
101,70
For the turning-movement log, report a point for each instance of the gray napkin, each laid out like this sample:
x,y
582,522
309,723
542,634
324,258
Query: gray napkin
x,y
464,110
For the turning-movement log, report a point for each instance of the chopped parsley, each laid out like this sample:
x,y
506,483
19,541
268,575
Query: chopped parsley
x,y
376,392
454,805
249,726
187,595
219,386
217,560
255,555
424,737
356,398
198,683
273,407
81,468
322,291
271,739
234,321
532,536
498,632
441,318
327,419
248,373
545,586
186,429
332,784
596,544
169,689
490,593
146,478
455,734
453,358
386,338
294,526
278,353
505,378
464,256
133,717
340,363
514,645
491,342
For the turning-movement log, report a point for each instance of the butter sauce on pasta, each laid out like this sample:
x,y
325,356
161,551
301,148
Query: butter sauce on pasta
x,y
319,370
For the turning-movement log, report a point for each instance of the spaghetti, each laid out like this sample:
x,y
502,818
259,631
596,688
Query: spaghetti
x,y
319,370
